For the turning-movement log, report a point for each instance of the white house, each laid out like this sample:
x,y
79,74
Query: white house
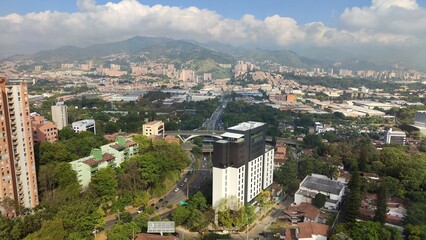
x,y
314,184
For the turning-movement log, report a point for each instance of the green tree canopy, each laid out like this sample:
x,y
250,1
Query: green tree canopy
x,y
104,184
319,200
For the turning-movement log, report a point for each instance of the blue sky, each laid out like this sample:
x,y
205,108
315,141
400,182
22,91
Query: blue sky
x,y
301,10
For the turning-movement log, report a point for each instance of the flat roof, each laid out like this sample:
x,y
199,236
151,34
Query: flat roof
x,y
232,135
322,185
84,122
244,126
152,123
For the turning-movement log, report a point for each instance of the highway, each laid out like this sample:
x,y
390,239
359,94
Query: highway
x,y
214,122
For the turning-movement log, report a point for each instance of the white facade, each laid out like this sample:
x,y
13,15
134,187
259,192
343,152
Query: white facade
x,y
254,183
60,115
84,125
242,164
119,151
314,184
229,183
268,169
420,119
395,137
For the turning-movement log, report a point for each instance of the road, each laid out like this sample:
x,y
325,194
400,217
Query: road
x,y
189,183
214,122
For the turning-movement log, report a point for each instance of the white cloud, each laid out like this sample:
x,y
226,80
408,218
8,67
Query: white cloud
x,y
117,21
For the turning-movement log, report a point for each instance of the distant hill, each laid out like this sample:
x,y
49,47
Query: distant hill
x,y
191,52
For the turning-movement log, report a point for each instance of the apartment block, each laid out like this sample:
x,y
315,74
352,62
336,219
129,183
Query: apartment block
x,y
43,130
60,115
112,155
153,128
242,163
18,173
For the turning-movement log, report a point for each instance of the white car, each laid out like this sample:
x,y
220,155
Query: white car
x,y
176,189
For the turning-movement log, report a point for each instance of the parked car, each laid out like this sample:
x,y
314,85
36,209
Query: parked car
x,y
141,209
176,189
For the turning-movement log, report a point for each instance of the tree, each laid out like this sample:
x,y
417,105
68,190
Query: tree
x,y
126,217
416,214
124,231
54,152
145,143
250,213
319,200
353,199
381,210
286,175
197,221
198,201
197,151
66,133
141,220
225,218
104,184
50,230
312,141
180,215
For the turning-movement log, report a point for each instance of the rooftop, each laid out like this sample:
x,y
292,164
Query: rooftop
x,y
147,236
304,209
232,135
307,229
105,158
322,185
152,123
83,122
247,126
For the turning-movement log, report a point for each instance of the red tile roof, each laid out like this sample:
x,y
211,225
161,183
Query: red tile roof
x,y
304,209
106,157
146,236
307,229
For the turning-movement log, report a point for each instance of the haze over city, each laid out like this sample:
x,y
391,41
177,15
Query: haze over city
x,y
378,29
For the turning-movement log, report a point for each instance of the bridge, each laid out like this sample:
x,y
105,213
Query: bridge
x,y
190,134
187,135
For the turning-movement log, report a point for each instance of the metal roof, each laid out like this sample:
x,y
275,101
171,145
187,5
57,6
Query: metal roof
x,y
232,135
322,185
244,126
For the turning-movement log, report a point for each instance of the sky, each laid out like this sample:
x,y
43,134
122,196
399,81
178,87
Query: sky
x,y
29,26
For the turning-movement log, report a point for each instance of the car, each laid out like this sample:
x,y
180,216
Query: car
x,y
176,189
141,208
182,184
185,180
160,200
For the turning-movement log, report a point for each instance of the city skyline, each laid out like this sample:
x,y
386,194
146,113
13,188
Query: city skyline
x,y
367,27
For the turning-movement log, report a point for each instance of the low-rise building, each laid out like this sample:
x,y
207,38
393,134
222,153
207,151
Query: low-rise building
x,y
153,128
420,119
395,137
314,184
280,155
42,129
305,212
312,231
84,125
112,155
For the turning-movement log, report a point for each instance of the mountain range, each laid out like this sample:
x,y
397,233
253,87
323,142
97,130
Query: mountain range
x,y
190,51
